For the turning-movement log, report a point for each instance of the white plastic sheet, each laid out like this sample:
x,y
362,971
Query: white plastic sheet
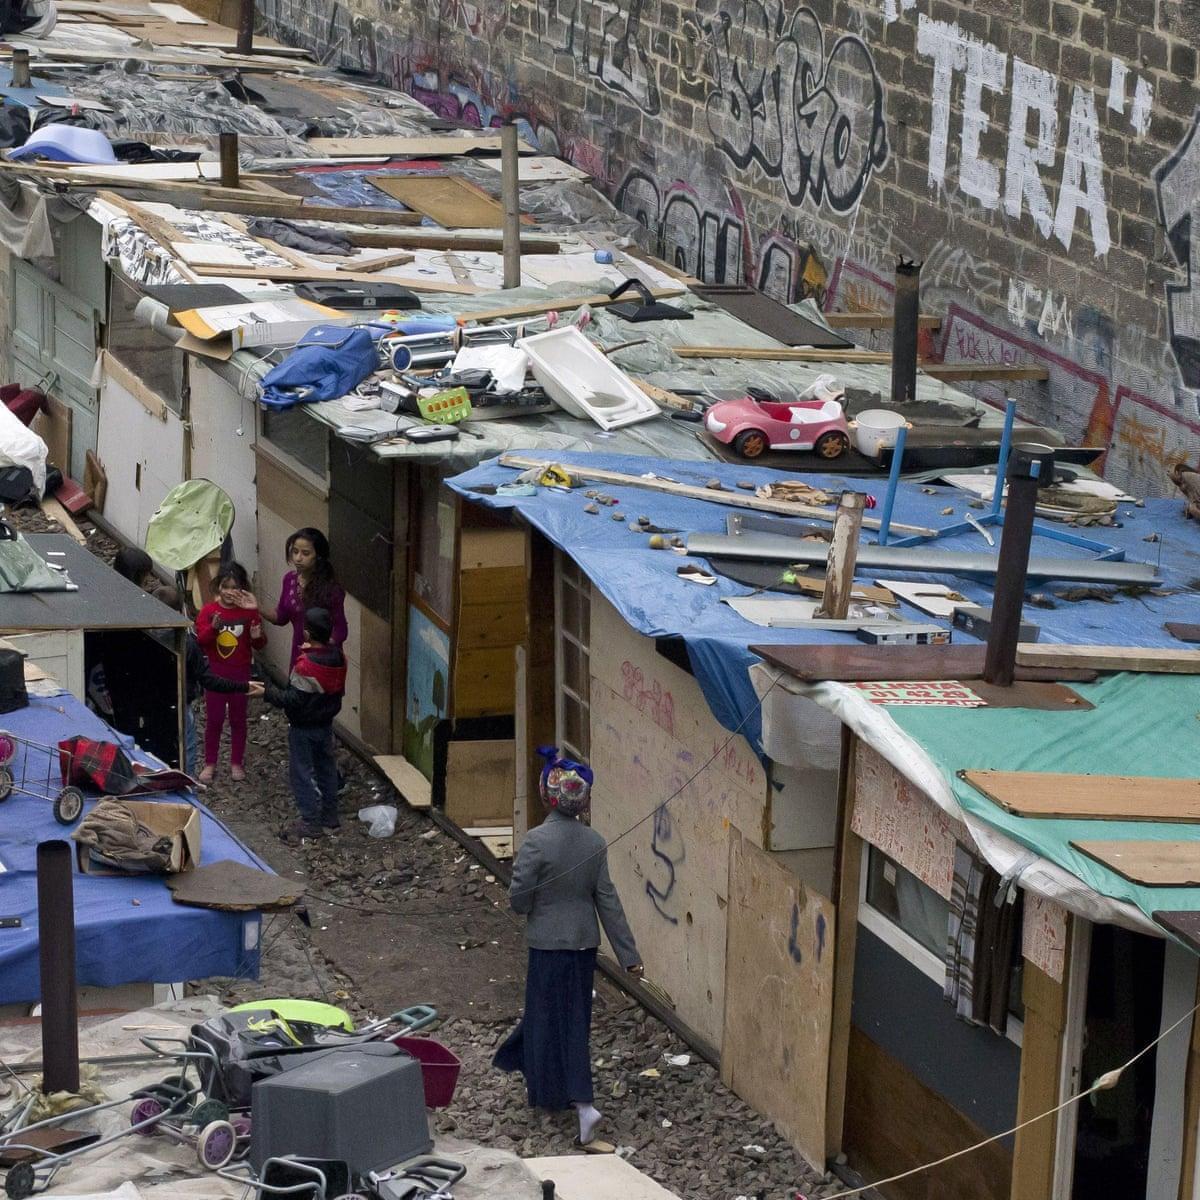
x,y
21,447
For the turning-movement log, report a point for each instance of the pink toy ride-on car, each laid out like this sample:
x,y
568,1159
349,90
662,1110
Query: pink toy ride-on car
x,y
752,427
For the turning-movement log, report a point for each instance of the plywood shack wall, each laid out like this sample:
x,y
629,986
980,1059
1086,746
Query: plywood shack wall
x,y
651,728
491,620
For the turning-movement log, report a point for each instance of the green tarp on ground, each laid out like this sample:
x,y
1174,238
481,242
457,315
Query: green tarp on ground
x,y
1142,725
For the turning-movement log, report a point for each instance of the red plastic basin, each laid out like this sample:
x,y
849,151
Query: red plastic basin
x,y
439,1067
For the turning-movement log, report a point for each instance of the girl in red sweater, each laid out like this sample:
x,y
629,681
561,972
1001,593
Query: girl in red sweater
x,y
229,629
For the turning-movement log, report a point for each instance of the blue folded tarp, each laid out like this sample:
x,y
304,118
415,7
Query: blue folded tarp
x,y
643,586
327,370
127,929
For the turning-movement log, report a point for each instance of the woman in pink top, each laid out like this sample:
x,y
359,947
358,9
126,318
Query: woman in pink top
x,y
311,583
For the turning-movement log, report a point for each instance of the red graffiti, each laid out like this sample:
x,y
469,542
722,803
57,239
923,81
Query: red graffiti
x,y
653,701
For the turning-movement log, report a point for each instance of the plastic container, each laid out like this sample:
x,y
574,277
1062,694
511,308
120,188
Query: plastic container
x,y
578,378
875,430
439,1067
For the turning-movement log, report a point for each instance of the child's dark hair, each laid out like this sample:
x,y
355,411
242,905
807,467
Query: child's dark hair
x,y
133,564
317,590
235,573
318,626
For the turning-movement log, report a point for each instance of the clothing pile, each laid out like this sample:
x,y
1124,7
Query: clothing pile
x,y
117,839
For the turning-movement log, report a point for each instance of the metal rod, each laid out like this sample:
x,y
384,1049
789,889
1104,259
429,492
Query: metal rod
x,y
893,485
843,555
510,194
20,68
1010,416
245,36
1027,466
905,322
230,174
56,948
547,1189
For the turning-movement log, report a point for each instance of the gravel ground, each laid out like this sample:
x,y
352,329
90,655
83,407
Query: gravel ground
x,y
412,919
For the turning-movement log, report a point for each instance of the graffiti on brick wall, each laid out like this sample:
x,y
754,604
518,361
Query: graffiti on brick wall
x,y
1033,98
1177,181
608,38
811,118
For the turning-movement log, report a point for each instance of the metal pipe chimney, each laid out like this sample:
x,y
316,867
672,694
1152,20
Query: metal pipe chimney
x,y
56,948
906,314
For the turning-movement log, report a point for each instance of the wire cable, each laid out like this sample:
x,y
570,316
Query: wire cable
x,y
1108,1080
708,762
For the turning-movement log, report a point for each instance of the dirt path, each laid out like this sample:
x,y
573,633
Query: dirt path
x,y
412,919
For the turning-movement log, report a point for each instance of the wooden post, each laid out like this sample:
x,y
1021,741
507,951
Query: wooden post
x,y
510,193
230,175
843,555
20,68
245,36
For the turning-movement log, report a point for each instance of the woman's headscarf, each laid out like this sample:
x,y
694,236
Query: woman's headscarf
x,y
564,785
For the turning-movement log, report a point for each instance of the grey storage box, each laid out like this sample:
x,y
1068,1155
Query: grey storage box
x,y
363,1104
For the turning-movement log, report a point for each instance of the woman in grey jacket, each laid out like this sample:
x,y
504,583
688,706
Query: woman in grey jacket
x,y
560,882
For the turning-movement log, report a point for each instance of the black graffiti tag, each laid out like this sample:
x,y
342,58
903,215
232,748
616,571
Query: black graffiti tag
x,y
1178,183
815,123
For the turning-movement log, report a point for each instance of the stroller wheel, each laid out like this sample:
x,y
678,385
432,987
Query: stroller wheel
x,y
20,1181
6,779
68,806
216,1145
208,1112
146,1110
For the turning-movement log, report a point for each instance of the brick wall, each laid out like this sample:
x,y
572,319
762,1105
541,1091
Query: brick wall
x,y
1037,155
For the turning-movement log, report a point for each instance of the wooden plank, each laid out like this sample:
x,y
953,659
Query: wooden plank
x,y
1110,658
874,320
413,787
55,511
491,585
481,625
480,782
562,304
448,146
450,200
939,370
1041,1056
382,263
672,488
287,494
1089,797
448,239
536,698
301,274
849,664
484,681
375,680
1154,864
778,996
895,1123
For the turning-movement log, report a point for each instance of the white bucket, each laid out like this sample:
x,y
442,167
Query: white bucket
x,y
875,430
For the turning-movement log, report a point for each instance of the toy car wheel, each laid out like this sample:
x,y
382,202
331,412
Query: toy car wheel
x,y
6,783
20,1181
8,748
216,1144
832,445
751,443
68,807
146,1110
208,1112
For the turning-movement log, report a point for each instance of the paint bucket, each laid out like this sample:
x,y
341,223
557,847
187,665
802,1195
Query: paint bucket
x,y
875,430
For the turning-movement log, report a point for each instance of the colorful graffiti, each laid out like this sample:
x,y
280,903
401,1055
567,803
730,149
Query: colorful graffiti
x,y
797,112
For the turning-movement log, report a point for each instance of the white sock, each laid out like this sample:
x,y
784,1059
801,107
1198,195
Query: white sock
x,y
589,1118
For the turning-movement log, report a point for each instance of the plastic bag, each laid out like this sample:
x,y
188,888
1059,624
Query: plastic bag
x,y
381,819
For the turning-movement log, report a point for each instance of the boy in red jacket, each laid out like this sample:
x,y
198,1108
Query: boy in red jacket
x,y
312,698
229,629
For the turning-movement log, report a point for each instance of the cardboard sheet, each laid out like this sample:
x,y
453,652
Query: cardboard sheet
x,y
450,200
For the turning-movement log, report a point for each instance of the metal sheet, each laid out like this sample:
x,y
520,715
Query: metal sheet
x,y
767,547
768,316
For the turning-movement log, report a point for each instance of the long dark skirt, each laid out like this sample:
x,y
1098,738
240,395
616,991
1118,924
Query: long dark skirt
x,y
550,1043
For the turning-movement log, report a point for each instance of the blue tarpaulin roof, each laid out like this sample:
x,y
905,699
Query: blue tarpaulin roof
x,y
642,583
128,929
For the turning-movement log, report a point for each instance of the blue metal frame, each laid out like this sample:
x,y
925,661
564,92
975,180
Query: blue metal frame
x,y
994,516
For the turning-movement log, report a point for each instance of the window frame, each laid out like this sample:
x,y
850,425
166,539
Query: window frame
x,y
568,576
897,939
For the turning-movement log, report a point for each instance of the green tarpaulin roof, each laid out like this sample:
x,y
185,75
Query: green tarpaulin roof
x,y
1145,725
